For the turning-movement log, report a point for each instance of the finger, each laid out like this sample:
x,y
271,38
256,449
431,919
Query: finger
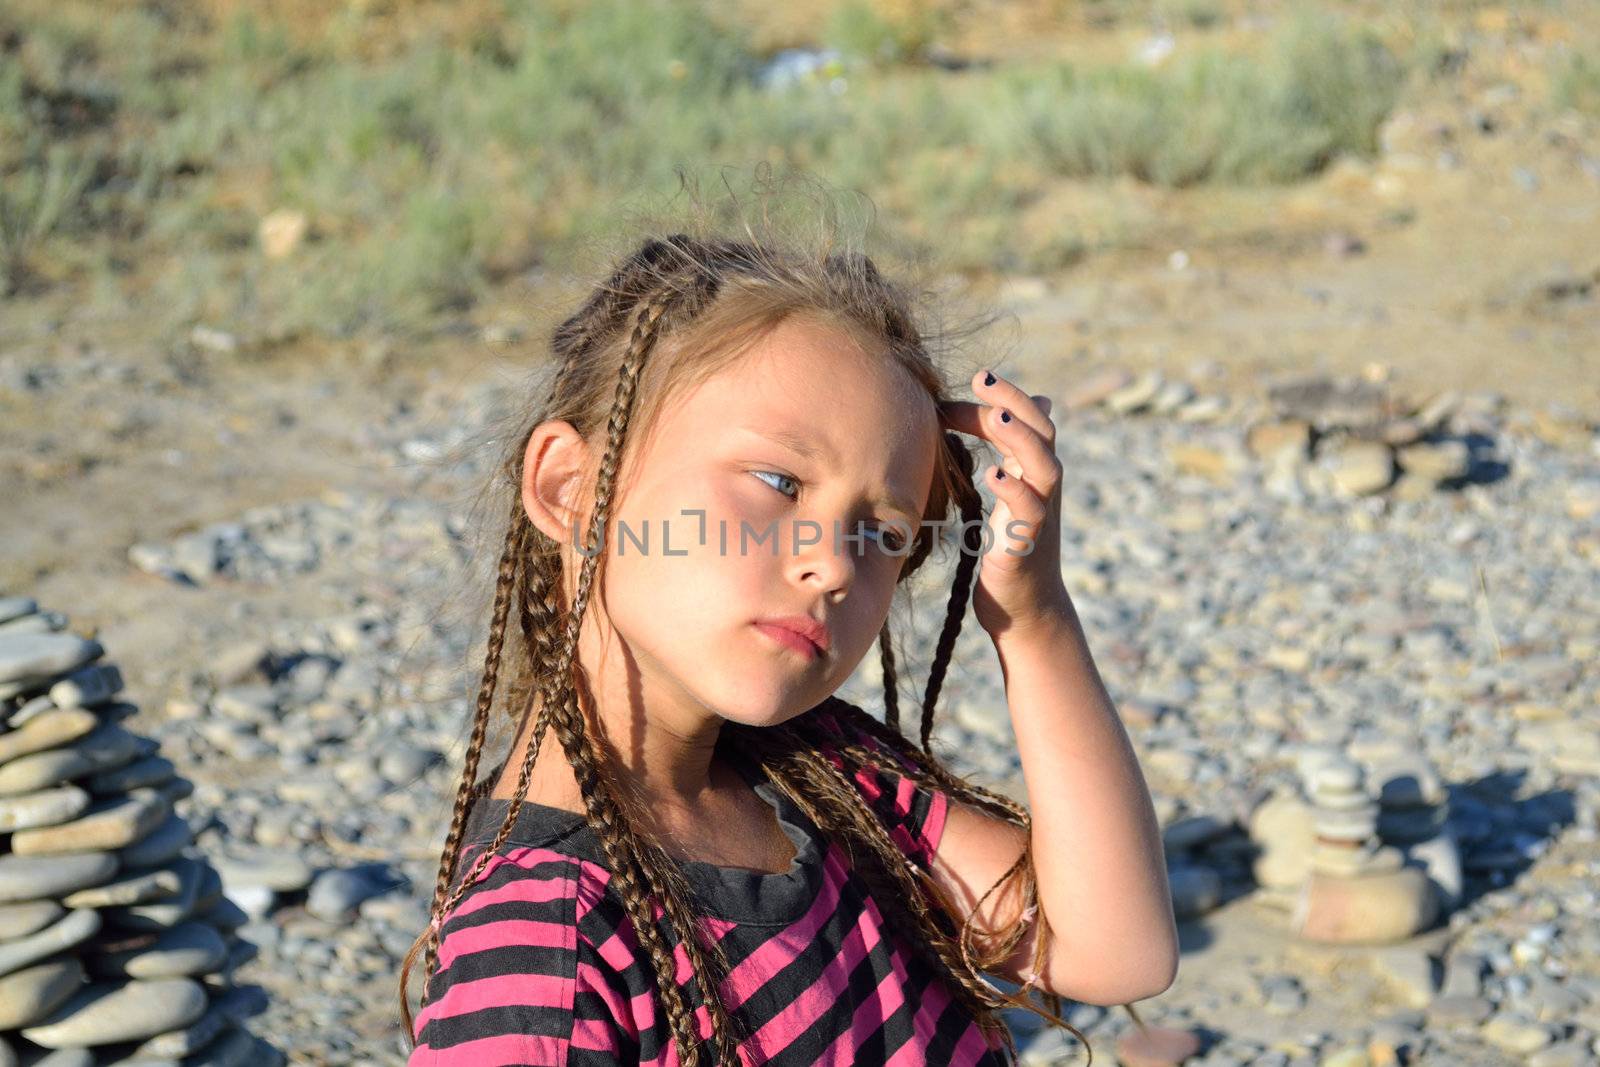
x,y
1020,498
1006,394
1034,458
964,416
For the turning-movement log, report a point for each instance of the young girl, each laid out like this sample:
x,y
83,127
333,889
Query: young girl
x,y
745,450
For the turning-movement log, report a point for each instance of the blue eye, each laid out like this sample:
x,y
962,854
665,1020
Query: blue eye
x,y
785,477
888,536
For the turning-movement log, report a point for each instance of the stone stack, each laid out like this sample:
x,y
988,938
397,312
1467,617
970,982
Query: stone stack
x,y
1414,817
117,945
1359,889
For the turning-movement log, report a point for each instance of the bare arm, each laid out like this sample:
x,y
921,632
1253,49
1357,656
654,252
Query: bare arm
x,y
1102,879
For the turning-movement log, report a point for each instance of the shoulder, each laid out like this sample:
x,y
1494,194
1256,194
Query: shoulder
x,y
515,967
913,812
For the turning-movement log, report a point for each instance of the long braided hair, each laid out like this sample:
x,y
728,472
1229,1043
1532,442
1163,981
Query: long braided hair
x,y
672,313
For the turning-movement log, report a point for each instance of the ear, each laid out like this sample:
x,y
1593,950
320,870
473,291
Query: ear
x,y
552,478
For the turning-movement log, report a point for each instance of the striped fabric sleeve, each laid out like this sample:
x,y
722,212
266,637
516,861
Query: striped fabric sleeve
x,y
510,978
913,814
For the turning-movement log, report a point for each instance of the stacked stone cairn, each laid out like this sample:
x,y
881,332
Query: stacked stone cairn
x,y
117,945
1351,868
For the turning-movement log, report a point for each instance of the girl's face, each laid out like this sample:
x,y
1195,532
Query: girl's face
x,y
804,436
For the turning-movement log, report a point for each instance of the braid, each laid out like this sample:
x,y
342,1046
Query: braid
x,y
510,556
891,692
971,506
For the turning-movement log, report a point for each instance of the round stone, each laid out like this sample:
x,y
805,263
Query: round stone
x,y
75,927
48,807
103,1014
29,660
1367,909
110,824
28,995
281,872
39,877
1156,1046
30,916
131,887
53,729
187,949
1336,776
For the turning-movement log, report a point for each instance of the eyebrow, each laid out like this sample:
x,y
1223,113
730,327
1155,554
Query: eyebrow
x,y
804,446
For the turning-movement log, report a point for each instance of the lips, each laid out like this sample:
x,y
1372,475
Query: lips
x,y
800,632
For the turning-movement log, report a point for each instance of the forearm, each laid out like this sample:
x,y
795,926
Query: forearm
x,y
1102,879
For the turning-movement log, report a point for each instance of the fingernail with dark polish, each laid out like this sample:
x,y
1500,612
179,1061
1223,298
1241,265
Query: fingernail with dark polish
x,y
988,378
999,474
1005,416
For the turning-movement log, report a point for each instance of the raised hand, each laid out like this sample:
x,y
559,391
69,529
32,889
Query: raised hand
x,y
1019,576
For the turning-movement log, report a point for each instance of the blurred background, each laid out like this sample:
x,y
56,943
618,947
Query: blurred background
x,y
1314,286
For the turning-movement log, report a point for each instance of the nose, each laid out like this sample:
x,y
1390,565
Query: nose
x,y
817,562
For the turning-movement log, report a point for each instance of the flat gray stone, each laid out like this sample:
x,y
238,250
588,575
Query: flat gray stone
x,y
279,871
130,887
30,916
103,1013
190,948
29,660
163,914
109,824
197,1035
39,877
149,771
107,747
75,927
53,729
163,844
28,995
48,807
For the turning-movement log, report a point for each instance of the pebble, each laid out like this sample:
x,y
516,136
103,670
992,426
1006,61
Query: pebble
x,y
34,877
190,948
29,660
47,807
1156,1046
30,994
18,920
109,824
71,929
52,729
105,1013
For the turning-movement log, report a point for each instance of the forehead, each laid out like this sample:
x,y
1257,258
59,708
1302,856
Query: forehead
x,y
811,385
817,377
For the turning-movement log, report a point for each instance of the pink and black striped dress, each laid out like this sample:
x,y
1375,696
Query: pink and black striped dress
x,y
539,963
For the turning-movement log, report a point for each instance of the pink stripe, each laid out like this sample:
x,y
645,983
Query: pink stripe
x,y
597,1035
868,1019
525,890
465,941
502,1051
592,980
784,945
500,991
800,1012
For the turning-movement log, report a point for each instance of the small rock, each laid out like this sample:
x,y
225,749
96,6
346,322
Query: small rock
x,y
103,1014
1156,1046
